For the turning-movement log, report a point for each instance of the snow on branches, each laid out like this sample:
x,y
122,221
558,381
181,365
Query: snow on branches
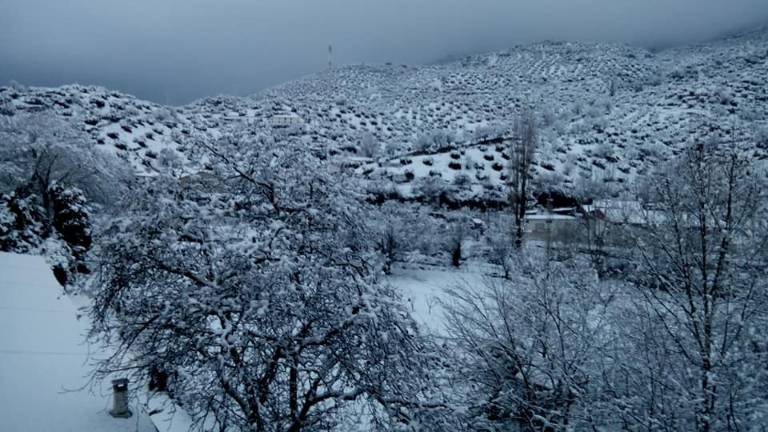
x,y
251,285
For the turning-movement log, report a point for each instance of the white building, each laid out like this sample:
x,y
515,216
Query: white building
x,y
286,120
552,226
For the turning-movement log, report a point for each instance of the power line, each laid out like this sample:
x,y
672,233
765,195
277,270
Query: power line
x,y
31,309
41,353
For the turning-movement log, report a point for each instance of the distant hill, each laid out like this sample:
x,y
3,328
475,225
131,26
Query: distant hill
x,y
608,113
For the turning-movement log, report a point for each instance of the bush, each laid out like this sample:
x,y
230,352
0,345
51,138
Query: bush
x,y
71,219
461,180
20,227
369,147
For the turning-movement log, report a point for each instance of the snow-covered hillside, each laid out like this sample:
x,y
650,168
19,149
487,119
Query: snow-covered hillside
x,y
607,113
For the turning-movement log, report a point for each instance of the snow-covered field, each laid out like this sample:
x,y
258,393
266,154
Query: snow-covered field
x,y
423,288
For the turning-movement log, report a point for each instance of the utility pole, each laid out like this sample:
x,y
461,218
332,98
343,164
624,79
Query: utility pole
x,y
330,56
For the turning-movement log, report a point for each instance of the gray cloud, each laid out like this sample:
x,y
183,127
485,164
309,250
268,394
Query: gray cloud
x,y
179,50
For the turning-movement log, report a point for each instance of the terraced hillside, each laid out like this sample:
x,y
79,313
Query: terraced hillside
x,y
607,114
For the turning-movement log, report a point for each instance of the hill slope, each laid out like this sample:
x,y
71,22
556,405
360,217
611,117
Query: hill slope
x,y
608,113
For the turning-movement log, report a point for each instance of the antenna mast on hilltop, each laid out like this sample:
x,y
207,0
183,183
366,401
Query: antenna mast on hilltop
x,y
330,56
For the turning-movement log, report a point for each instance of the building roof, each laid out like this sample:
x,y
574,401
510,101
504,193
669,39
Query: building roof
x,y
44,361
625,211
550,217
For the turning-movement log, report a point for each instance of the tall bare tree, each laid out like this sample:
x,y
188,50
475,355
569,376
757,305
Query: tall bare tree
x,y
521,153
703,252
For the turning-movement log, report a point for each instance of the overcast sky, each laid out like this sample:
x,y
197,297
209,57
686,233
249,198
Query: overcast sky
x,y
178,50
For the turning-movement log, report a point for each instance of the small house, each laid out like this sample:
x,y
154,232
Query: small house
x,y
286,120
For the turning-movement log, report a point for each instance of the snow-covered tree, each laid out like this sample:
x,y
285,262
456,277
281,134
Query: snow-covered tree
x,y
433,141
258,295
39,150
395,232
526,347
702,269
20,228
72,220
501,249
369,145
48,173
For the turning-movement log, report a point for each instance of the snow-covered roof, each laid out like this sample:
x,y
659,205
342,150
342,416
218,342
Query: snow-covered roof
x,y
44,361
625,211
285,114
549,217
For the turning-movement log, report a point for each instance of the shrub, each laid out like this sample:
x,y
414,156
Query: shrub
x,y
20,227
461,180
71,219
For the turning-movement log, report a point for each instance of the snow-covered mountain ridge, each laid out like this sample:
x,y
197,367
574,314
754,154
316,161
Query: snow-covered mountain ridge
x,y
607,113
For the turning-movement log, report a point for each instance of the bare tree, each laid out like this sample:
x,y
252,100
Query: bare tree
x,y
526,345
702,250
521,155
501,247
369,145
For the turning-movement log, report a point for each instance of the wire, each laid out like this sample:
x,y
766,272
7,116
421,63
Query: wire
x,y
30,309
41,353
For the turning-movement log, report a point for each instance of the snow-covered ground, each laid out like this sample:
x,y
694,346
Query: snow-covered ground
x,y
423,288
